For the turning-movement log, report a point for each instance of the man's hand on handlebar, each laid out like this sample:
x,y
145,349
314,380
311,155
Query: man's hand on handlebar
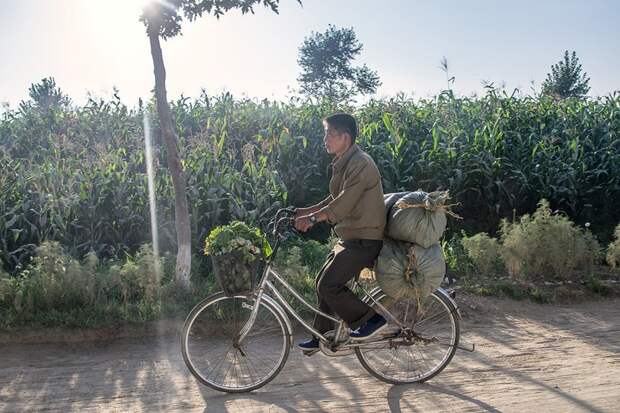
x,y
303,223
285,221
302,219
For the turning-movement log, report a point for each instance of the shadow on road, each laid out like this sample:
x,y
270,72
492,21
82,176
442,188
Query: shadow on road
x,y
396,395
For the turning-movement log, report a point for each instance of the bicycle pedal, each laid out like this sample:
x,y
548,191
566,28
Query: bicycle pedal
x,y
310,353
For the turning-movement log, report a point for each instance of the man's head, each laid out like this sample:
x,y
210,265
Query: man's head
x,y
340,133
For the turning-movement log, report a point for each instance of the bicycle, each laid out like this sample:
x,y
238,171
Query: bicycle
x,y
240,343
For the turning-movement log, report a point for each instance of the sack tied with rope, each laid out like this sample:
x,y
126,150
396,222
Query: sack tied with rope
x,y
411,263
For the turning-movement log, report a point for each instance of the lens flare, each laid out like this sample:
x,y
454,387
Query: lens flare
x,y
148,157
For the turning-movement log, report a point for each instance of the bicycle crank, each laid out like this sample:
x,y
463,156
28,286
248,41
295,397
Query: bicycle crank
x,y
333,349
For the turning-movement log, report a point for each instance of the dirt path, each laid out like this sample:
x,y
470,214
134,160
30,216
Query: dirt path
x,y
529,358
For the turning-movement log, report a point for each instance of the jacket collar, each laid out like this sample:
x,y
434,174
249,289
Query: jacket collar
x,y
339,163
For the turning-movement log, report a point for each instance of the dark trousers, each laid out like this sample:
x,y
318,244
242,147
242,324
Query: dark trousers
x,y
344,262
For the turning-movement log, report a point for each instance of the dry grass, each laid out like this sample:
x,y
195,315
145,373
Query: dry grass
x,y
484,252
547,244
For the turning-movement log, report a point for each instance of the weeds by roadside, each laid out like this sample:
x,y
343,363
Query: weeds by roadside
x,y
543,258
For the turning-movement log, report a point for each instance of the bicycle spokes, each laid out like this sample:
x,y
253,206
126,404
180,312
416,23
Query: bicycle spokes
x,y
419,350
218,358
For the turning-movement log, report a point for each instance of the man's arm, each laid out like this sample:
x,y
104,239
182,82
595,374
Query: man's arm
x,y
300,212
304,222
337,208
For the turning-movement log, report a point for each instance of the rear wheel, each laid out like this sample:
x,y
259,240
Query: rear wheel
x,y
423,349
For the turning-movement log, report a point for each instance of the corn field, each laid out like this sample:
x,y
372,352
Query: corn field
x,y
77,174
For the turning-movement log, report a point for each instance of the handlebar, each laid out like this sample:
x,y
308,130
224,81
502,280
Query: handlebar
x,y
284,220
282,223
283,226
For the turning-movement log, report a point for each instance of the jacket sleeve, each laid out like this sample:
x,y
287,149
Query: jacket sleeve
x,y
355,183
324,202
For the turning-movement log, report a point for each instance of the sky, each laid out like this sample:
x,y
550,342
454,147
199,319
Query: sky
x,y
92,46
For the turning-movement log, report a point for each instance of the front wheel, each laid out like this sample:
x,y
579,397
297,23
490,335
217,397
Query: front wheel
x,y
212,353
423,350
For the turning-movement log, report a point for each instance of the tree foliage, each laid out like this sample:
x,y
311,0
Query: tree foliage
x,y
566,78
326,60
46,96
166,16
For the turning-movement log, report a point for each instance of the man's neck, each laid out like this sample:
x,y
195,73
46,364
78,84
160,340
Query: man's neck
x,y
339,155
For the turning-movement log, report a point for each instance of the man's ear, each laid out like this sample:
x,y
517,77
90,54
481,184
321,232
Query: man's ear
x,y
349,137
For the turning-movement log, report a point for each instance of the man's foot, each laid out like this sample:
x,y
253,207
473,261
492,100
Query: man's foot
x,y
309,345
375,325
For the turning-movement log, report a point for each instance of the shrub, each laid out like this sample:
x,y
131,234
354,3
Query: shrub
x,y
313,253
7,288
56,289
299,262
594,284
546,244
458,260
290,265
539,295
613,251
139,277
54,280
484,252
510,289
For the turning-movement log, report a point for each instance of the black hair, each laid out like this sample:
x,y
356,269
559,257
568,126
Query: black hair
x,y
343,122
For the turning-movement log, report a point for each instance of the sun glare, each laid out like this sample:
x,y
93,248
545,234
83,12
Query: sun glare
x,y
139,4
144,3
115,9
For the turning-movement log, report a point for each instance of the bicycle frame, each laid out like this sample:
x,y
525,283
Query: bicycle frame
x,y
266,285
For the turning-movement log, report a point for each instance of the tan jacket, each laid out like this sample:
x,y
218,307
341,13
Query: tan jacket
x,y
355,204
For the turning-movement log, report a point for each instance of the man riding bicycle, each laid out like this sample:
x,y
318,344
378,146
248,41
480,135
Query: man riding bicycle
x,y
356,208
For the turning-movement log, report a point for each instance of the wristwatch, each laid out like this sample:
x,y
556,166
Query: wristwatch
x,y
312,219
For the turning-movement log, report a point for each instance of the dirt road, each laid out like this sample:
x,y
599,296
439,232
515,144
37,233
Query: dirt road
x,y
529,357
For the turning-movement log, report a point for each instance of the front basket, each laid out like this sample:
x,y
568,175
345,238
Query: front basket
x,y
234,275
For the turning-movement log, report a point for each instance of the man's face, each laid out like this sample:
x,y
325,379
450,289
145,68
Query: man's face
x,y
336,143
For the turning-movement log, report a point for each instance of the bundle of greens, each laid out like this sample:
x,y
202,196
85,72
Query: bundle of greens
x,y
236,250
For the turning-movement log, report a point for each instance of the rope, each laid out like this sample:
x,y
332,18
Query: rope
x,y
410,263
433,201
409,268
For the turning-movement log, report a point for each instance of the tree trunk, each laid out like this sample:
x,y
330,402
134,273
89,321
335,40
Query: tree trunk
x,y
181,211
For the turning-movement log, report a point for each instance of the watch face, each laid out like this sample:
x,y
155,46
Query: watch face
x,y
313,219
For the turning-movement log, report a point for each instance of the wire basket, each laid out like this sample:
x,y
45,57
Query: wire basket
x,y
235,276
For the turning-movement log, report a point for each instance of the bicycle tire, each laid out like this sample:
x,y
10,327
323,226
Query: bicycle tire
x,y
197,372
450,312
